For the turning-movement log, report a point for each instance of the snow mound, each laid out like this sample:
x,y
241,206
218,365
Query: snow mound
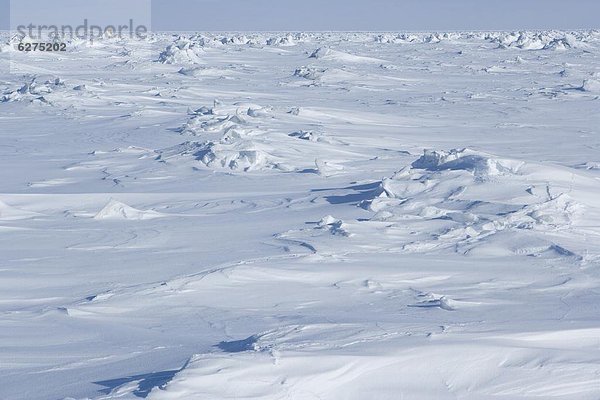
x,y
465,159
591,85
334,226
259,112
181,52
559,44
237,39
115,210
322,52
242,137
309,72
305,135
287,40
467,201
205,120
238,155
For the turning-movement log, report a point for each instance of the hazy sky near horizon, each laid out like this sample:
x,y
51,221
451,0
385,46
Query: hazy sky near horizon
x,y
382,15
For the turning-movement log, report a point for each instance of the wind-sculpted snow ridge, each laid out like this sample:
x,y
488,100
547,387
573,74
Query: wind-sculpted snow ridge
x,y
476,203
10,213
249,137
438,186
235,150
473,200
283,370
472,203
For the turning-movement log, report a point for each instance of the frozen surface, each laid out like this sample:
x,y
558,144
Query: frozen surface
x,y
302,216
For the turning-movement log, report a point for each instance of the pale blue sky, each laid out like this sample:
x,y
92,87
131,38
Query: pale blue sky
x,y
395,15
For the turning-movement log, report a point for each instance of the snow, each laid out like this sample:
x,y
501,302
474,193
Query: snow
x,y
591,85
11,213
119,211
181,52
302,215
